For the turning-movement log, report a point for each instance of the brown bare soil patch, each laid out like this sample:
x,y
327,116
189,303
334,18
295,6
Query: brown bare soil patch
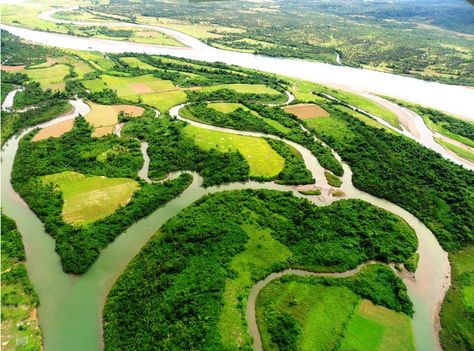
x,y
13,68
54,131
140,88
306,111
134,111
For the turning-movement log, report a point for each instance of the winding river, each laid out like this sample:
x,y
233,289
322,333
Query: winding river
x,y
71,306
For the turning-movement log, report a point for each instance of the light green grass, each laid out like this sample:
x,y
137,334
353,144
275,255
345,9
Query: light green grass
x,y
262,159
261,251
164,101
245,88
229,107
49,77
367,120
96,59
458,150
337,128
321,311
134,62
332,179
88,199
376,328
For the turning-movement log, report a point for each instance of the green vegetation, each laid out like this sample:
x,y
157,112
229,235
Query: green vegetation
x,y
20,329
332,179
227,241
49,77
17,53
457,312
262,159
88,199
458,150
312,192
388,166
77,151
326,312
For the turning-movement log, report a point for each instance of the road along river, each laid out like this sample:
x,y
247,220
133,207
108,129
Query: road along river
x,y
71,306
453,99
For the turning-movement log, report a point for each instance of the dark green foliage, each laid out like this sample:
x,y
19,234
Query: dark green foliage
x,y
295,171
435,190
332,179
13,262
284,330
78,247
14,77
16,52
170,150
170,296
31,95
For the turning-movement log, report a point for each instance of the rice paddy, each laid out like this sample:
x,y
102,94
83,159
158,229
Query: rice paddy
x,y
90,198
306,111
49,77
262,159
104,117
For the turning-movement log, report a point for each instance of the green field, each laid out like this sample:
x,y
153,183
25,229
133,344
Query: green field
x,y
49,77
88,199
367,120
457,313
229,107
458,150
262,159
376,328
244,88
324,318
134,62
97,60
164,101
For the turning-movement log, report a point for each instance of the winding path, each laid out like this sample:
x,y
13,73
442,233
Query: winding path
x,y
251,313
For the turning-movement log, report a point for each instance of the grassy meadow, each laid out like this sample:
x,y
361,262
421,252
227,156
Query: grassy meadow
x,y
262,159
49,77
88,199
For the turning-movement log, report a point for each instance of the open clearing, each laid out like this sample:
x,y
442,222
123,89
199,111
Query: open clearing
x,y
49,77
262,159
88,199
305,111
333,317
245,88
104,117
164,101
229,107
12,68
376,328
54,131
134,62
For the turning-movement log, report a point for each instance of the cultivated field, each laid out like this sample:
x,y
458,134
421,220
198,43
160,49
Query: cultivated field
x,y
375,327
88,199
49,77
305,111
54,131
262,159
134,62
245,88
104,117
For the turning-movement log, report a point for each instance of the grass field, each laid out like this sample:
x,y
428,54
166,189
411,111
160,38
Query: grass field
x,y
54,131
49,77
331,318
88,199
104,117
322,312
457,313
229,107
262,159
458,150
331,126
306,111
96,59
261,251
134,62
376,328
245,88
367,120
161,94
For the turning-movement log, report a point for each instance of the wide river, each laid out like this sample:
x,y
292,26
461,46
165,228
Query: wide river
x,y
71,306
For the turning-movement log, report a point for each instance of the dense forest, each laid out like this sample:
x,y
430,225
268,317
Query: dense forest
x,y
79,247
189,263
435,190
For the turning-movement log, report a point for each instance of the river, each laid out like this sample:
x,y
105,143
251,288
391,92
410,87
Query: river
x,y
453,99
71,306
